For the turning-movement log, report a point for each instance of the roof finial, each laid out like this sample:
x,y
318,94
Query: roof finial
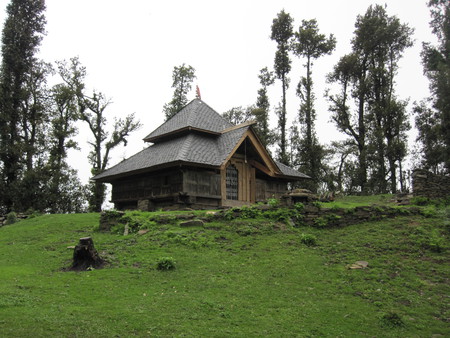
x,y
198,96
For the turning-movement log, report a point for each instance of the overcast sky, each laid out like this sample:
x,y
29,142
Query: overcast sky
x,y
129,49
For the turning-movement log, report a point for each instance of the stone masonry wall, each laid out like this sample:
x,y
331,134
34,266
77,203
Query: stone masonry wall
x,y
429,185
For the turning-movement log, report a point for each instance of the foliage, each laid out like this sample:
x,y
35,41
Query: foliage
x,y
92,110
433,123
309,44
261,113
22,100
308,239
366,109
182,78
165,264
281,33
273,202
392,320
11,218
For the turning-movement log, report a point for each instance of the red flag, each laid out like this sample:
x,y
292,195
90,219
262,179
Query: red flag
x,y
198,93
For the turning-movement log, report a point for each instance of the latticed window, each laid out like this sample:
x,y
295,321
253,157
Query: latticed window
x,y
232,183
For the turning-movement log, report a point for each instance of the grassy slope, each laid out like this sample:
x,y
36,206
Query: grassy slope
x,y
260,282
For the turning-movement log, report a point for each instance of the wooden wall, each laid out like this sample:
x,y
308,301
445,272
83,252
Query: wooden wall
x,y
147,186
266,189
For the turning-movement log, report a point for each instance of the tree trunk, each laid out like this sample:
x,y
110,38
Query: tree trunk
x,y
85,256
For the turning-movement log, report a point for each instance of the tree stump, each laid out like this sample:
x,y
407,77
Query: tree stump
x,y
85,256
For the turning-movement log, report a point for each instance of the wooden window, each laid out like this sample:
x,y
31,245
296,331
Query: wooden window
x,y
232,183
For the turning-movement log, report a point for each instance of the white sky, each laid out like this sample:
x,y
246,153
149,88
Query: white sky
x,y
130,48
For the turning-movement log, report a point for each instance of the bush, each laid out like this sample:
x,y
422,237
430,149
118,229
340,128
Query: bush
x,y
299,207
279,215
392,320
165,264
273,202
11,218
308,239
250,212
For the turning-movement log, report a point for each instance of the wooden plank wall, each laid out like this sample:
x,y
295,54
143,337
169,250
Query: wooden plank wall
x,y
201,183
147,186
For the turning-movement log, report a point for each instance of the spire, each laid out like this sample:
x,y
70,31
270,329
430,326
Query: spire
x,y
198,96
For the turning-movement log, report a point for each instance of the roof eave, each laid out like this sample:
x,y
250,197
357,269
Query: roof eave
x,y
178,131
112,178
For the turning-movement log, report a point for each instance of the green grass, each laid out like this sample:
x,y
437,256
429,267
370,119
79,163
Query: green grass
x,y
239,278
358,201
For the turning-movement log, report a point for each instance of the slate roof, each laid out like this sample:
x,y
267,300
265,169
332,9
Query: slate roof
x,y
195,115
189,148
210,145
288,171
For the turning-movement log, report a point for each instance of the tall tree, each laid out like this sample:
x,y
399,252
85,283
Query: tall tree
x,y
64,188
378,45
261,112
23,31
182,78
92,110
282,32
434,124
310,44
383,39
350,74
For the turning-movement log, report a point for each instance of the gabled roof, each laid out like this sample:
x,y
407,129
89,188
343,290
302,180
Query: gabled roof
x,y
198,136
196,115
192,148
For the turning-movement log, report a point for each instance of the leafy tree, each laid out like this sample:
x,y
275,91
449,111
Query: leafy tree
x,y
383,39
23,31
182,78
261,112
367,76
310,44
92,110
93,114
238,115
350,74
434,124
432,149
64,188
282,32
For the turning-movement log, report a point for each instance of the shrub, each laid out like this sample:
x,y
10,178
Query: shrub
x,y
308,239
165,264
250,212
392,320
279,215
273,202
299,207
11,218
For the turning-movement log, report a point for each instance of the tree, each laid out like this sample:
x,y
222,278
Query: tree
x,y
65,192
92,110
238,115
23,31
261,112
310,44
368,76
432,149
182,78
93,114
383,39
350,74
434,124
282,33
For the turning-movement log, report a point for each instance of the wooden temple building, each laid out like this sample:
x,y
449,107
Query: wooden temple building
x,y
197,159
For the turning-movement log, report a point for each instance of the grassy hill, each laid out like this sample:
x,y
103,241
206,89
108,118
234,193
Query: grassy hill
x,y
234,278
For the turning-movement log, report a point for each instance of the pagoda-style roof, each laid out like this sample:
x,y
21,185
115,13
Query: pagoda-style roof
x,y
195,116
197,136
